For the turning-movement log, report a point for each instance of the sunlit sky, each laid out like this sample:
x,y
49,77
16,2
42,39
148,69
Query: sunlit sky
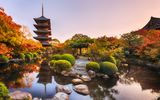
x,y
91,17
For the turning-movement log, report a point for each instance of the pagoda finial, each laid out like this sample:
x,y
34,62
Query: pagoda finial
x,y
42,9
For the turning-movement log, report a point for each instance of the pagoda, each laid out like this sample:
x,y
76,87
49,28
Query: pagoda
x,y
43,26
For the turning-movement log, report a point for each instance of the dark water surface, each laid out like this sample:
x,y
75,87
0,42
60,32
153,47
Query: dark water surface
x,y
135,83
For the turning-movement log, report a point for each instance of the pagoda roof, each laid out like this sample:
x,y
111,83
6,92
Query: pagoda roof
x,y
42,26
42,38
42,18
43,31
154,23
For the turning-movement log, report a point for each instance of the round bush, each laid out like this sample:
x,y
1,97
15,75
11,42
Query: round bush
x,y
3,90
62,65
108,68
110,59
28,56
22,56
93,66
52,64
35,55
4,59
69,58
56,57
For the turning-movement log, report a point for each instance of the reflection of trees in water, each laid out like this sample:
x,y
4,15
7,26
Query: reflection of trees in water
x,y
100,89
59,79
148,79
14,75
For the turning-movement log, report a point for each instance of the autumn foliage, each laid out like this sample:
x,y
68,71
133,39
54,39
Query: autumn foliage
x,y
12,39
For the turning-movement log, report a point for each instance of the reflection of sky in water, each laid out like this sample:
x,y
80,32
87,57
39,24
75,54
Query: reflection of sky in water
x,y
134,91
126,88
38,89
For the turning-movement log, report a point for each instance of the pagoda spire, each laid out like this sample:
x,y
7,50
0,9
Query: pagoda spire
x,y
42,9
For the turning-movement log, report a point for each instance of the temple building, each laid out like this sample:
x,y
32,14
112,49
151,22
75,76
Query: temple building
x,y
43,26
154,23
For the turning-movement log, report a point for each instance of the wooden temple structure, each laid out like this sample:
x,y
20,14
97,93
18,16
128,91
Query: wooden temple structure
x,y
154,23
43,26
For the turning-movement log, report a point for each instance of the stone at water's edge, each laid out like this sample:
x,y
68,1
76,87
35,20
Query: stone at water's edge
x,y
82,89
61,96
64,73
62,88
85,78
92,74
18,95
77,81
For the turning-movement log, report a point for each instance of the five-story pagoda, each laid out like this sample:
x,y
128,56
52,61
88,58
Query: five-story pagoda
x,y
43,31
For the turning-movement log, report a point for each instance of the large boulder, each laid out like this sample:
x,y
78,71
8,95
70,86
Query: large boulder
x,y
82,89
61,96
77,81
62,88
18,95
85,78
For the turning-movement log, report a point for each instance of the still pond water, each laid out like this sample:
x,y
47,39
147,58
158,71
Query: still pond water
x,y
135,83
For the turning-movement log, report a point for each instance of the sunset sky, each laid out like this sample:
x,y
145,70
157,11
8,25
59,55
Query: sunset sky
x,y
91,17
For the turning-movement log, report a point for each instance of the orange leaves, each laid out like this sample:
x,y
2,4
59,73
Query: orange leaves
x,y
4,49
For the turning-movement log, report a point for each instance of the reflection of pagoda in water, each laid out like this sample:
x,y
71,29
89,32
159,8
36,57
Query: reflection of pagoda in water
x,y
43,31
45,75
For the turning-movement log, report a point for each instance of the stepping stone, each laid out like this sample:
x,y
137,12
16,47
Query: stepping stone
x,y
18,95
77,81
85,78
62,88
61,96
82,89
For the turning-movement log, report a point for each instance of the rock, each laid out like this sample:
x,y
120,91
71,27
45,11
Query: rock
x,y
62,88
61,96
106,77
125,65
85,78
72,74
92,74
99,74
18,95
82,89
77,81
37,99
64,73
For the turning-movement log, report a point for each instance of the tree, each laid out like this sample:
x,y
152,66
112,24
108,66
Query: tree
x,y
80,41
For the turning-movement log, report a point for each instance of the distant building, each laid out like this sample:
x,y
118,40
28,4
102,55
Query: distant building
x,y
43,26
154,23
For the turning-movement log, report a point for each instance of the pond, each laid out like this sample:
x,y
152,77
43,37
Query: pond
x,y
135,83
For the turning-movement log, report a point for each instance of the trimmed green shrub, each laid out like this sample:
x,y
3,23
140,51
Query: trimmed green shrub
x,y
110,59
22,56
3,90
4,59
93,66
28,56
69,58
108,68
31,54
52,64
35,55
62,65
56,57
